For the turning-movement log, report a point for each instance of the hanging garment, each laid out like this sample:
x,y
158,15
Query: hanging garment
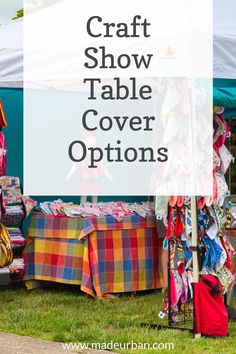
x,y
212,254
188,221
210,311
226,278
221,220
216,161
221,132
161,207
223,256
187,252
213,227
202,223
179,222
3,153
225,157
222,189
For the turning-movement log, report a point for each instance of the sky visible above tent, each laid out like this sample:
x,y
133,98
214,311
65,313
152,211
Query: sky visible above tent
x,y
8,9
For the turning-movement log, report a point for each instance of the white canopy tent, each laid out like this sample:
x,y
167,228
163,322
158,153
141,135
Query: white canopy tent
x,y
11,54
11,43
224,39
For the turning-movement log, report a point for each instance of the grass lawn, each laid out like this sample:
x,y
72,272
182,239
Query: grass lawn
x,y
63,314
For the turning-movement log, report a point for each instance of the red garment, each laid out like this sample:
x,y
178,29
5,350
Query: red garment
x,y
210,312
3,152
221,139
175,225
169,229
179,226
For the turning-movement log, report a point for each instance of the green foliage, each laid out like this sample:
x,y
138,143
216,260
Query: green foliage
x,y
19,14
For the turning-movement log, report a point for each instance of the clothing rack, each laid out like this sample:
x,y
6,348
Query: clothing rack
x,y
183,312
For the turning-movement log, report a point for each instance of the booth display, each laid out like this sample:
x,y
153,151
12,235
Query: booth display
x,y
113,252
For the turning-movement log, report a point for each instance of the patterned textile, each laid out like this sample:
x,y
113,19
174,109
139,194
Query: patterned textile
x,y
54,259
101,254
64,227
13,219
120,261
11,192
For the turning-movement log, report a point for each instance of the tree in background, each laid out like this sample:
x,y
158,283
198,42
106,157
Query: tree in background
x,y
19,14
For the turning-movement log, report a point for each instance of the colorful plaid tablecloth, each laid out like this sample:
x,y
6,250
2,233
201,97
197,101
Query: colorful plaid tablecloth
x,y
102,255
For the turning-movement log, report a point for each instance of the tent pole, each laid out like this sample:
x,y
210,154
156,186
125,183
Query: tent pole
x,y
195,244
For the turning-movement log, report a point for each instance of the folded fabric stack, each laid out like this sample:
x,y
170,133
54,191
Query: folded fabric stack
x,y
17,265
13,202
118,210
4,270
13,215
17,239
13,272
5,276
17,269
14,208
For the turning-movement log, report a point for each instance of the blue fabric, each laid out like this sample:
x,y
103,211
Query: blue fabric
x,y
187,252
212,254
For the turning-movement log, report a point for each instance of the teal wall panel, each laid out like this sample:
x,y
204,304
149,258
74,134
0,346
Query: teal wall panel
x,y
13,105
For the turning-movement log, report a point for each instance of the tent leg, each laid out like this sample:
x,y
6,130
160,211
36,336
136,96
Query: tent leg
x,y
195,248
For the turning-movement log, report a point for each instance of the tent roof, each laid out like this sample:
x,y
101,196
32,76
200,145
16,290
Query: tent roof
x,y
11,59
224,39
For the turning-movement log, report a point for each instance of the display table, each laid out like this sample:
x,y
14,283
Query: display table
x,y
98,253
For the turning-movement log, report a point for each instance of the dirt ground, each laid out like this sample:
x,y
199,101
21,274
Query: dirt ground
x,y
14,344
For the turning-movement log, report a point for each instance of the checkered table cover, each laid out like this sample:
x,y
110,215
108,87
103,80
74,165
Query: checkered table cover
x,y
102,255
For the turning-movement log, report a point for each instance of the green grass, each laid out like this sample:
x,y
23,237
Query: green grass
x,y
63,314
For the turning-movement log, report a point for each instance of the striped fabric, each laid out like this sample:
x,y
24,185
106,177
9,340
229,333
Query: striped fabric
x,y
102,255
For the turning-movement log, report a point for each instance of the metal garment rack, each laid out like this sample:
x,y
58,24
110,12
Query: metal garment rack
x,y
185,313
